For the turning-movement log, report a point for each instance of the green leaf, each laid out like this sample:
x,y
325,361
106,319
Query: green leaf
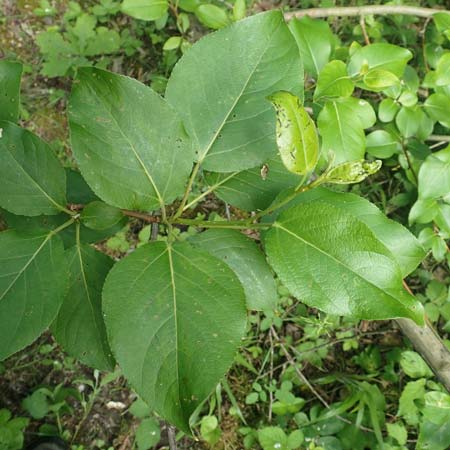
x,y
379,56
434,436
53,43
382,144
398,432
348,272
104,42
10,76
297,138
212,16
77,192
273,438
402,244
437,107
434,176
295,439
443,70
175,316
33,180
172,43
414,366
145,9
244,257
341,124
37,404
100,216
387,110
413,393
33,274
255,188
352,172
140,409
79,327
148,434
233,127
128,142
239,9
334,81
209,430
408,120
315,41
379,79
442,21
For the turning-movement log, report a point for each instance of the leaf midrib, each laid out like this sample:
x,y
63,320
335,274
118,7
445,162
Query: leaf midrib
x,y
132,147
33,256
34,182
238,97
278,225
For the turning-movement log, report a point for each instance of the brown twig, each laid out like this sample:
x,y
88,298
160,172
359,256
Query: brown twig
x,y
362,22
147,217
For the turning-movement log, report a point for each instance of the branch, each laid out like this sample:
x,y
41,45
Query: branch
x,y
431,348
429,345
382,10
438,138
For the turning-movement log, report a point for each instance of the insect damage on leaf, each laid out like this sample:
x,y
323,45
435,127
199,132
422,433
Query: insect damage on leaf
x,y
296,133
352,172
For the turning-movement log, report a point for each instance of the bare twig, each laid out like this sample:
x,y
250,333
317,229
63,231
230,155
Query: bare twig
x,y
438,138
362,22
430,346
382,10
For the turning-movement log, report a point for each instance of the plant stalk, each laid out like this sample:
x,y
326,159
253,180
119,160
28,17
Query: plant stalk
x,y
382,10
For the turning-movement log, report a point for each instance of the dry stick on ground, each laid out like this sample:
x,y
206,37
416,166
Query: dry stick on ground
x,y
306,381
382,10
430,346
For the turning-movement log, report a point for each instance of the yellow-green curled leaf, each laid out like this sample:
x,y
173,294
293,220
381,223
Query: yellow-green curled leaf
x,y
296,133
352,172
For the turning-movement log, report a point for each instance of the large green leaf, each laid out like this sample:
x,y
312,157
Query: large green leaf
x,y
79,326
33,182
129,143
220,85
78,192
381,56
297,138
175,316
341,124
255,188
10,75
315,41
33,277
242,255
332,261
404,246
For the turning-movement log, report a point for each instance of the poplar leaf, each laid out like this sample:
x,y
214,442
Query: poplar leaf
x,y
297,137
